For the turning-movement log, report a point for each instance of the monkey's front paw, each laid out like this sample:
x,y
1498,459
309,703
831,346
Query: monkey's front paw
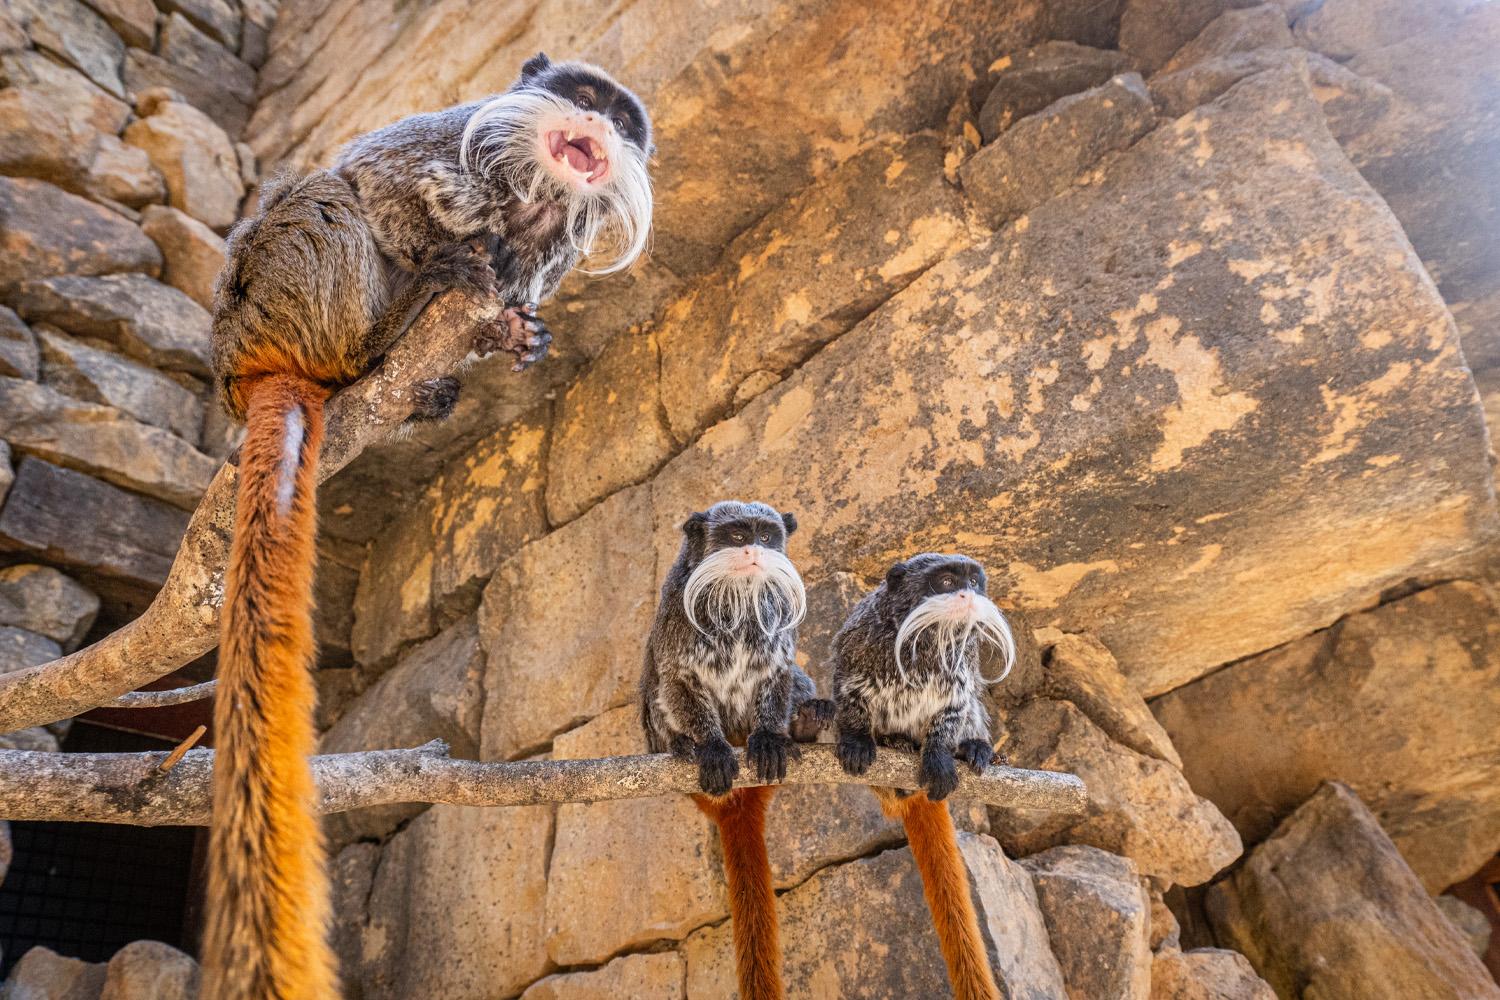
x,y
682,747
717,767
769,752
435,398
938,774
464,266
811,718
856,752
978,754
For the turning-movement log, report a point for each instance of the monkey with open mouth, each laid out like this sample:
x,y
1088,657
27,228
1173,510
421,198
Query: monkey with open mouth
x,y
906,675
720,669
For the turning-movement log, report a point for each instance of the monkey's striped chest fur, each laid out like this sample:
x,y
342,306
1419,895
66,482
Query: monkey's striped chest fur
x,y
732,672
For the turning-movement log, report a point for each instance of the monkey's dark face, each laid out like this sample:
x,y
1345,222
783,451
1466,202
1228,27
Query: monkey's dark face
x,y
941,603
737,552
594,123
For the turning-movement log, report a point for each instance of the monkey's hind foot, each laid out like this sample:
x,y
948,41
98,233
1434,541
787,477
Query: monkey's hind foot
x,y
717,767
938,774
811,718
520,332
978,754
464,266
768,752
434,399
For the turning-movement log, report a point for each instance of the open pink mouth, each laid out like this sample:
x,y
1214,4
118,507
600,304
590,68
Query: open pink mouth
x,y
583,154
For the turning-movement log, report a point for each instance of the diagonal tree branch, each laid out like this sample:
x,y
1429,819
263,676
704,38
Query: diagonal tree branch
x,y
130,788
182,622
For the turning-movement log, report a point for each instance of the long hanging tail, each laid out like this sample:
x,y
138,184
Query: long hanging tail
x,y
268,884
945,883
741,818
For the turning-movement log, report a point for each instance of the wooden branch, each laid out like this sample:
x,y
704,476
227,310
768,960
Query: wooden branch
x,y
182,622
129,788
181,749
161,699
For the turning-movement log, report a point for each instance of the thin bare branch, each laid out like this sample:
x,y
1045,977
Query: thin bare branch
x,y
182,623
169,696
129,788
181,749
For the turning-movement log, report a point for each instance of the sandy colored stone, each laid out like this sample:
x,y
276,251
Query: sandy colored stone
x,y
1138,806
1235,31
123,174
93,375
46,601
19,356
1397,702
1470,921
1152,30
658,976
1028,81
76,35
43,974
147,320
150,970
1326,907
195,157
1041,155
224,102
132,538
1098,920
217,18
21,648
38,139
456,906
65,90
433,692
1081,670
1178,92
802,276
351,873
1341,29
609,431
133,20
44,230
861,931
579,600
1074,387
428,566
104,442
1206,974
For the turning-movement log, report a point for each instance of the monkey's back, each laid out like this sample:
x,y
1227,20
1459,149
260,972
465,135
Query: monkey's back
x,y
300,288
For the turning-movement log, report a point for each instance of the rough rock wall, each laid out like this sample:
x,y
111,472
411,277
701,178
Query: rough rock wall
x,y
1171,311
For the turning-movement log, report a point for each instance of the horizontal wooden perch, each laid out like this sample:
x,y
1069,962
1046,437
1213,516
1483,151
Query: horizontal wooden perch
x,y
182,622
130,788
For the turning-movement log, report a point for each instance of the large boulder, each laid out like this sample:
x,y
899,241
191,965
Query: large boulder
x,y
66,91
133,20
1137,363
455,907
1025,82
93,375
1398,703
658,976
1206,974
193,252
1326,907
43,600
196,158
70,31
21,648
433,692
1341,29
1098,919
150,970
145,319
862,931
218,18
580,599
104,442
44,230
1234,31
43,974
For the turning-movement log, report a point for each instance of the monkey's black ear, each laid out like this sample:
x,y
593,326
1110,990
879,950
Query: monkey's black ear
x,y
895,575
535,65
693,526
789,522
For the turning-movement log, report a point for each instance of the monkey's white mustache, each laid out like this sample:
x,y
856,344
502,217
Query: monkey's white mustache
x,y
953,620
513,136
774,597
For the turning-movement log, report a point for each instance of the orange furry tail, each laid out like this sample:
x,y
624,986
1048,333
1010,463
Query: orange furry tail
x,y
945,883
268,885
741,818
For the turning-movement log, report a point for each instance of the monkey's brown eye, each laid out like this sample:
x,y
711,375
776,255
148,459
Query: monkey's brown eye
x,y
584,100
619,123
765,539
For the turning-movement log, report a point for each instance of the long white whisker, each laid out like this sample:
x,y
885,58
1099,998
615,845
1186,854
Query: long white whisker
x,y
775,598
952,634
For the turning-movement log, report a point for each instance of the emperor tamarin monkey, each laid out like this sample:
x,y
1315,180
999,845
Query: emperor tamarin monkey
x,y
906,674
720,669
502,195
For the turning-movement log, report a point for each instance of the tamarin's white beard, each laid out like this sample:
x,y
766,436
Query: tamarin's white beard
x,y
609,207
953,620
742,584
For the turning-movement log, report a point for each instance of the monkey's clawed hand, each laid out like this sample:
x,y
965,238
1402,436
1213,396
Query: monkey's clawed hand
x,y
769,752
520,332
811,718
717,767
434,399
938,773
465,266
978,754
856,752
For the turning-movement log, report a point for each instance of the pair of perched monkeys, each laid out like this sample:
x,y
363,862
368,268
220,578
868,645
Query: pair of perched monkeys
x,y
502,198
721,670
